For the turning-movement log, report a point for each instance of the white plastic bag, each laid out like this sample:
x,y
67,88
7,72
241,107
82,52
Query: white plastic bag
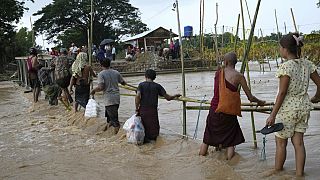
x,y
91,109
135,130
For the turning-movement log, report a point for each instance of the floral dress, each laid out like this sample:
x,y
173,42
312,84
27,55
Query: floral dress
x,y
295,110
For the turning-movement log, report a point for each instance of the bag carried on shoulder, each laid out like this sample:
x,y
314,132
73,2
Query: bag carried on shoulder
x,y
135,130
229,101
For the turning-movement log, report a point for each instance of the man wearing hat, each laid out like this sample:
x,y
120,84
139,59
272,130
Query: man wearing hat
x,y
62,73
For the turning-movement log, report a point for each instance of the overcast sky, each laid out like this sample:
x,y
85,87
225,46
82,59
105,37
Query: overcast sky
x,y
157,13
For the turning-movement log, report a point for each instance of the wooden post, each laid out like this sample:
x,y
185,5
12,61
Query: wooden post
x,y
145,44
294,21
184,113
236,36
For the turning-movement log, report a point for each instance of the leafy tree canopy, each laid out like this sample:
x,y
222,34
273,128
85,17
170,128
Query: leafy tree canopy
x,y
69,21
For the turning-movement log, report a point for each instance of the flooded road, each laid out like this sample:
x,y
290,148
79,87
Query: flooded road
x,y
39,142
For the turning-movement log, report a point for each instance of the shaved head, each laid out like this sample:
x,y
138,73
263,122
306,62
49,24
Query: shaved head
x,y
230,59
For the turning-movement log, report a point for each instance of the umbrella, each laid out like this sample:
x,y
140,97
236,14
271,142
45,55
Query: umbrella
x,y
106,41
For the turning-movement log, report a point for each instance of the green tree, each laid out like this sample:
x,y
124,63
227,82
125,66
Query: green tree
x,y
69,21
22,41
318,4
10,12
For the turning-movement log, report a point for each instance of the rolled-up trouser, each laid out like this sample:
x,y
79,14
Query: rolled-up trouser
x,y
111,113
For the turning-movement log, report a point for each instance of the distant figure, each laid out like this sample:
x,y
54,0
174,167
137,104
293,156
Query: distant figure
x,y
108,52
292,106
73,51
113,53
108,80
33,67
101,55
223,130
177,49
81,73
147,104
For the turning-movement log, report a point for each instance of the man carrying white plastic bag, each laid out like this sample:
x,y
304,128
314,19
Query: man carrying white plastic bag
x,y
135,130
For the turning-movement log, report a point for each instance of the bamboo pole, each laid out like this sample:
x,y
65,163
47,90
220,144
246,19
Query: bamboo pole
x,y
250,37
236,36
262,54
248,12
222,39
184,113
187,99
32,35
278,34
245,59
216,36
285,28
294,21
257,109
91,33
200,32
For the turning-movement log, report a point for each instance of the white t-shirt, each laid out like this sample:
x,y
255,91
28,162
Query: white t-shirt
x,y
113,50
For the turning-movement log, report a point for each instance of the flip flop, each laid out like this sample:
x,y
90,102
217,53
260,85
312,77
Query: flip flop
x,y
271,129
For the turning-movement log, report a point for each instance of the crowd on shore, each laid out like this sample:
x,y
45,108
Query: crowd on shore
x,y
292,106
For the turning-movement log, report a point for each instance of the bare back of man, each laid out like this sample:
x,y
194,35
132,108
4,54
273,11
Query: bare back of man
x,y
86,73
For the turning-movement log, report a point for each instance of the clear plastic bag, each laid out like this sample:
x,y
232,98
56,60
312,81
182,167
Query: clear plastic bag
x,y
135,130
91,109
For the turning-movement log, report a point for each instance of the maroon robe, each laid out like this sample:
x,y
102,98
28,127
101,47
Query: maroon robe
x,y
221,129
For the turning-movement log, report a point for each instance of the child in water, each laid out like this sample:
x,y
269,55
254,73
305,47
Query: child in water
x,y
292,106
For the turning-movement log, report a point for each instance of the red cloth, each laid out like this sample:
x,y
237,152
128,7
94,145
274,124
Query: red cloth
x,y
221,129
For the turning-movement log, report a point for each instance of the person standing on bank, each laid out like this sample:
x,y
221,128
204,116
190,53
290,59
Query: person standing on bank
x,y
33,67
108,80
292,106
222,127
146,102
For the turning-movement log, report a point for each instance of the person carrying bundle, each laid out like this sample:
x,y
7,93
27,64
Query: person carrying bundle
x,y
81,73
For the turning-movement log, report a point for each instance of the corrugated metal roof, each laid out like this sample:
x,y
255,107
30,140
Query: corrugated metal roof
x,y
142,35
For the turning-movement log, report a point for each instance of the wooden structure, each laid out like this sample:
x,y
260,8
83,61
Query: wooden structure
x,y
151,39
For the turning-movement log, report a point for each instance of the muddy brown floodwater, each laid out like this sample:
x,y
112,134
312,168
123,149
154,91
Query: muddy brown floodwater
x,y
39,142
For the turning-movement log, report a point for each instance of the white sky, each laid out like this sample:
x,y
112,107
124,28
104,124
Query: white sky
x,y
157,13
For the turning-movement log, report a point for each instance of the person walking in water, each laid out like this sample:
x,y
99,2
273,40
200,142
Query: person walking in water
x,y
222,129
108,80
147,104
81,73
33,67
292,106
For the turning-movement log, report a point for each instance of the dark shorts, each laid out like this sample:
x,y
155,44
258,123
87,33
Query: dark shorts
x,y
34,83
64,82
111,112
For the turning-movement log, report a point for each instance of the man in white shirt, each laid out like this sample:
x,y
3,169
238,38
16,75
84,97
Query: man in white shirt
x,y
73,50
113,51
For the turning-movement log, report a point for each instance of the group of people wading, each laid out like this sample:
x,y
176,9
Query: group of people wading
x,y
292,106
